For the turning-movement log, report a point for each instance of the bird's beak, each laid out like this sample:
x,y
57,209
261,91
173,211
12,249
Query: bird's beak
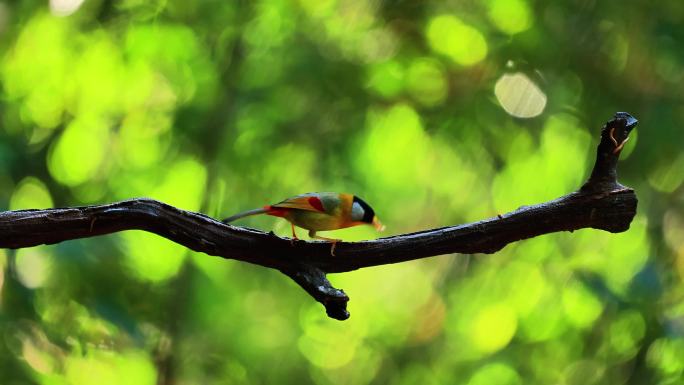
x,y
377,224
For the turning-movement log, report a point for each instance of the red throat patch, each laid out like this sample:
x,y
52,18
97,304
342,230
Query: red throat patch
x,y
316,203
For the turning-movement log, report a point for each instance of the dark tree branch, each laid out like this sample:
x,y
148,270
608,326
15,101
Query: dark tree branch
x,y
602,203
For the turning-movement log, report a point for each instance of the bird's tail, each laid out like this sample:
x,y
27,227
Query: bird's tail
x,y
246,214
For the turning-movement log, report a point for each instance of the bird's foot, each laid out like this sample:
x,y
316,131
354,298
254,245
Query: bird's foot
x,y
294,235
312,234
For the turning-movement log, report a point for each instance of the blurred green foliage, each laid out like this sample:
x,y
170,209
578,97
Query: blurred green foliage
x,y
436,112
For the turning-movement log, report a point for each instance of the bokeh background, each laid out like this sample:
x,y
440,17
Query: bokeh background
x,y
435,112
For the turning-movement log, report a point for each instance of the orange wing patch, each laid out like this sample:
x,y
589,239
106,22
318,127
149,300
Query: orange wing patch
x,y
306,202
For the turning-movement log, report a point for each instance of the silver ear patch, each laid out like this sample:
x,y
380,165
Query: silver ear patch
x,y
357,212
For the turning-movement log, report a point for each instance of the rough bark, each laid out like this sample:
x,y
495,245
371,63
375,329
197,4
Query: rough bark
x,y
601,203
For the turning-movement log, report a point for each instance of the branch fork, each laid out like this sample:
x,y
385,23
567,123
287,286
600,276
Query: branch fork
x,y
601,203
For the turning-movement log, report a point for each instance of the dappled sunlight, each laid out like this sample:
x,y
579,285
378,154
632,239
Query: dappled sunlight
x,y
519,96
429,321
524,285
385,161
152,257
435,113
80,151
426,81
177,54
141,143
65,7
624,337
673,226
101,367
324,344
546,321
617,259
387,78
667,176
34,266
30,193
377,292
97,74
584,372
615,46
40,80
496,373
35,349
546,173
493,328
667,357
291,169
582,307
362,370
348,29
510,16
462,43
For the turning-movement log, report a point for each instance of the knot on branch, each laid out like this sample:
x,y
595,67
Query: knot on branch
x,y
315,282
614,135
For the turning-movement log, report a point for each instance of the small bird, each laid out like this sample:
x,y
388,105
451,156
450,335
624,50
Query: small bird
x,y
319,212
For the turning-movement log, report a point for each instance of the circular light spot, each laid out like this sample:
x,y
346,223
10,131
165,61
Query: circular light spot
x,y
624,334
667,176
325,345
494,327
666,355
673,228
31,193
545,322
426,81
387,79
378,44
80,150
33,267
510,16
584,372
581,306
464,44
497,373
64,7
135,367
519,96
398,127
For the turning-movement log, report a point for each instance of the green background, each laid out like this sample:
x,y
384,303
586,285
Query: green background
x,y
435,112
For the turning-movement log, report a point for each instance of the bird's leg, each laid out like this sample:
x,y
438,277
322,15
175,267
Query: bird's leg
x,y
312,234
294,234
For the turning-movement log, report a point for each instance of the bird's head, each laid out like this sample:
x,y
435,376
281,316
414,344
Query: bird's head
x,y
362,212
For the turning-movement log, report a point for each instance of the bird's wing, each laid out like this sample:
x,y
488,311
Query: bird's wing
x,y
309,202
